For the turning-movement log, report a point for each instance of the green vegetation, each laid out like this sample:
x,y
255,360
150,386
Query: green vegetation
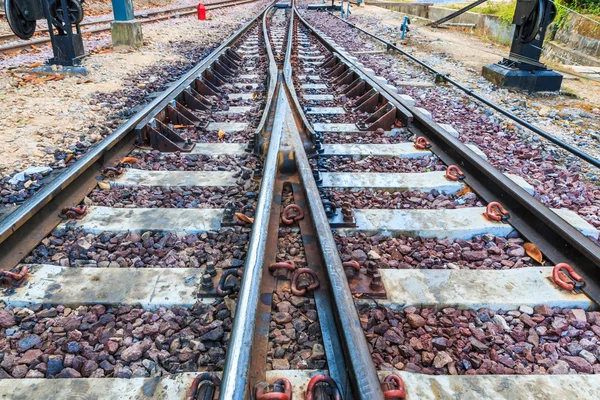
x,y
506,9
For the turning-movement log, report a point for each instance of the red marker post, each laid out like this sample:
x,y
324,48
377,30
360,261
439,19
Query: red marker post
x,y
201,12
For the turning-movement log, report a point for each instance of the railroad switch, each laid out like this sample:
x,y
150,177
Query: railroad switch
x,y
523,69
63,18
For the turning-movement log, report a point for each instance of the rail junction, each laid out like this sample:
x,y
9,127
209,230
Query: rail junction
x,y
323,238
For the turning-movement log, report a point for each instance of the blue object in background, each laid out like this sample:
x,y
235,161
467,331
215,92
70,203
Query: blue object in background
x,y
123,10
405,26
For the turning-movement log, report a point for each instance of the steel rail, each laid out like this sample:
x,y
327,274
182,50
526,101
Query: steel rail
x,y
28,210
365,382
565,146
558,240
140,14
235,376
223,4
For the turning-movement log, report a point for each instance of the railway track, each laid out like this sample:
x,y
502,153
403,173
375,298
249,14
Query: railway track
x,y
281,219
144,17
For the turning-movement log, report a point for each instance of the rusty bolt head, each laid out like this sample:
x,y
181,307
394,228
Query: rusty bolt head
x,y
303,282
207,282
210,268
371,268
376,282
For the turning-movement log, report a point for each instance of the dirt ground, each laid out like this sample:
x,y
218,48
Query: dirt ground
x,y
472,51
573,115
43,114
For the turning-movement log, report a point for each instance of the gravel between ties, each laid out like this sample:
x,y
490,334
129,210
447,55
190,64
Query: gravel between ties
x,y
120,342
539,340
558,179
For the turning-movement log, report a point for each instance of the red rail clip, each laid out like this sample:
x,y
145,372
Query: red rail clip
x,y
285,395
111,172
289,219
17,276
221,289
289,265
322,379
496,212
454,173
73,212
565,276
207,381
355,267
393,387
422,143
307,286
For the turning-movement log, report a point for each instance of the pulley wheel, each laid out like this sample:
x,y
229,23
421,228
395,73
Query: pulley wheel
x,y
74,7
532,25
17,22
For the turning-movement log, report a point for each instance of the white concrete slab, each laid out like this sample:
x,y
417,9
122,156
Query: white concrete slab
x,y
477,151
310,57
425,182
316,86
227,126
245,85
188,220
318,97
424,112
241,96
521,182
325,110
236,110
311,77
140,177
474,289
402,150
150,288
248,51
447,127
342,128
248,76
312,62
219,149
463,223
415,83
577,221
498,387
407,99
168,387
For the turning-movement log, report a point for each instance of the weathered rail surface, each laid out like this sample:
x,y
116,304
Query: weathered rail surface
x,y
286,227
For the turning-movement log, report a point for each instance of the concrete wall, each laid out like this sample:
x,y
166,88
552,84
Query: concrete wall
x,y
576,42
485,25
581,34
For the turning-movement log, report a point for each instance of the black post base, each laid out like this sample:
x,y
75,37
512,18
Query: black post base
x,y
531,81
67,53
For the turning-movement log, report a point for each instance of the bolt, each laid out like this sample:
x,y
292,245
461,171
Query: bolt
x,y
376,282
210,268
207,282
371,268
